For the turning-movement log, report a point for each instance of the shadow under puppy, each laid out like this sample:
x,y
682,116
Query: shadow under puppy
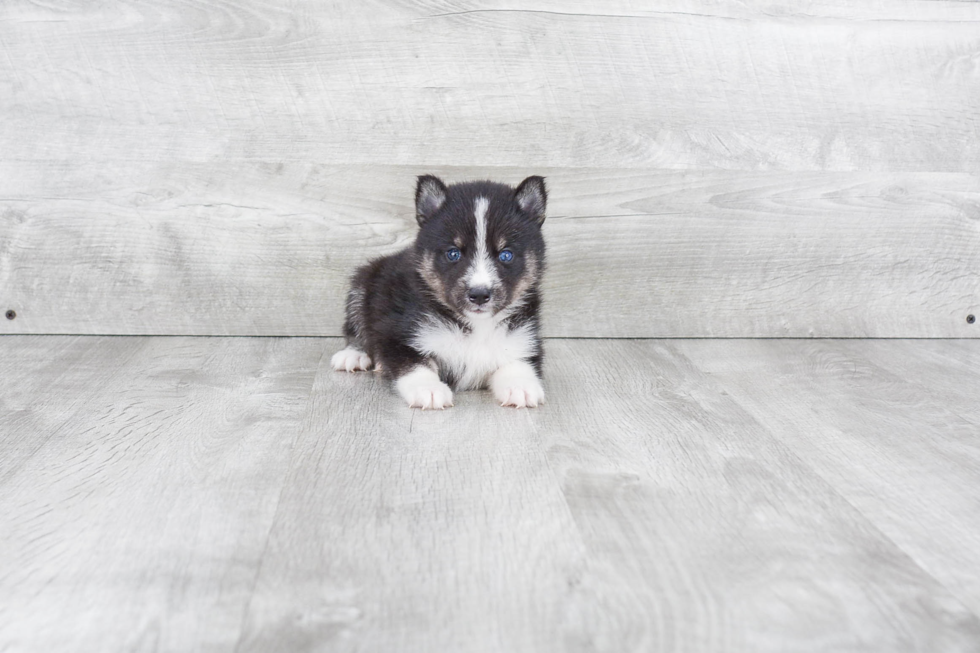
x,y
458,310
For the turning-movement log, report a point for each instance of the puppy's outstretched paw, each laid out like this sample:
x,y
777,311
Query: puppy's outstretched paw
x,y
517,384
350,360
421,388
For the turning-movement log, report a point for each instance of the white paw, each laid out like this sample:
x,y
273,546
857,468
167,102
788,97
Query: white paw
x,y
351,360
516,384
421,388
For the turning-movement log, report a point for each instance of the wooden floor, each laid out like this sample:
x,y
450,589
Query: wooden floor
x,y
235,494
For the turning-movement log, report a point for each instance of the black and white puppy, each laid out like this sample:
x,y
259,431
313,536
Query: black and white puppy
x,y
458,310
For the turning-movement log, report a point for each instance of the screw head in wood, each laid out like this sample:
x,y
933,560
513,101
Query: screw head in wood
x,y
971,318
11,314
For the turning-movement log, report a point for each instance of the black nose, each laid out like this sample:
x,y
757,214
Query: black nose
x,y
479,296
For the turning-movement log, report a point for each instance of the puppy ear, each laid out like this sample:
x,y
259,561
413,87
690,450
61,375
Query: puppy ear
x,y
532,197
430,195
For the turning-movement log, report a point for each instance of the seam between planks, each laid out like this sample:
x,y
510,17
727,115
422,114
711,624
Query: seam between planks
x,y
300,428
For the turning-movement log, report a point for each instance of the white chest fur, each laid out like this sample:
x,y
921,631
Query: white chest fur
x,y
472,356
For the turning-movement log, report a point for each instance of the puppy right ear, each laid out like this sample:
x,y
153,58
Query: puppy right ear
x,y
430,195
532,197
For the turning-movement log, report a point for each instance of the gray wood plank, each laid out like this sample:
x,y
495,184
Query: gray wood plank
x,y
640,509
414,531
893,426
949,369
45,382
266,249
139,521
683,84
705,533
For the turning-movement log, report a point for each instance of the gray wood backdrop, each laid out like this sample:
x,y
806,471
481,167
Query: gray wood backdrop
x,y
717,169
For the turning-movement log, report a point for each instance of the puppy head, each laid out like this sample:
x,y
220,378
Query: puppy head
x,y
480,249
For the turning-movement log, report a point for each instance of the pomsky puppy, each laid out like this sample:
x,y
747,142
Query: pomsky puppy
x,y
458,310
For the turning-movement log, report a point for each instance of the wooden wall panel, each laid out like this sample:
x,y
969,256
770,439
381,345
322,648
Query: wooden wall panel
x,y
679,84
267,248
718,169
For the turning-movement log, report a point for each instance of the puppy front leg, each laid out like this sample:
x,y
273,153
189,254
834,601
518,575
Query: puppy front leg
x,y
517,384
421,388
351,359
415,377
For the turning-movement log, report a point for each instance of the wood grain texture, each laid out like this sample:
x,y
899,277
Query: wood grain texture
x,y
893,426
543,83
705,533
411,531
751,170
948,368
267,248
45,383
213,494
684,526
147,475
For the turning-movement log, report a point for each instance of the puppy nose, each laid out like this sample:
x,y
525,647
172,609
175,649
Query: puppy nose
x,y
479,296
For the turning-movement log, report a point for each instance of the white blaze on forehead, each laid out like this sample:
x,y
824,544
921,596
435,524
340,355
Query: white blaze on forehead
x,y
482,273
480,213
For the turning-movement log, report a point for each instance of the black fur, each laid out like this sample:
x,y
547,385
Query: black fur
x,y
392,296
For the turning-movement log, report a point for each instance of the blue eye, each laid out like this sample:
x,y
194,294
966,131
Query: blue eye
x,y
506,256
453,254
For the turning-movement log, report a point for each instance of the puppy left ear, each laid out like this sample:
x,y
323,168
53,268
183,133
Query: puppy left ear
x,y
532,197
430,195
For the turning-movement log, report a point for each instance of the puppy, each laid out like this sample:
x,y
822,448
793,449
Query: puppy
x,y
458,310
